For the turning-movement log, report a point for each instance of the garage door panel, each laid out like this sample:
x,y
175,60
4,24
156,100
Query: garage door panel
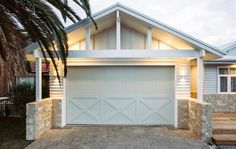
x,y
81,108
113,108
120,95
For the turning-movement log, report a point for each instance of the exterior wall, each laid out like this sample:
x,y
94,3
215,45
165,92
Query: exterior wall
x,y
3,79
131,39
196,117
200,119
210,79
222,102
183,80
183,114
104,40
41,116
193,80
56,88
56,113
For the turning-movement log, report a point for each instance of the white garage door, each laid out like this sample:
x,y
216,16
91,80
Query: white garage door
x,y
120,95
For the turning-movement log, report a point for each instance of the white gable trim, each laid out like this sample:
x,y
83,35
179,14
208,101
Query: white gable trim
x,y
150,21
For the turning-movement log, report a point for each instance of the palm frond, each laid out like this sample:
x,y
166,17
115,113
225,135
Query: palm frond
x,y
42,25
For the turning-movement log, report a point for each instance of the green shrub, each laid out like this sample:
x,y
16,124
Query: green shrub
x,y
20,95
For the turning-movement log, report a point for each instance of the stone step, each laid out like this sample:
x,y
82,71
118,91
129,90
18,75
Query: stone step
x,y
224,139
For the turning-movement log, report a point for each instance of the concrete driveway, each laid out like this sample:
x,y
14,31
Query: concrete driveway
x,y
118,137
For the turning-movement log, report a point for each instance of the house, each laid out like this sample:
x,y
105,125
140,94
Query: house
x,y
133,70
220,80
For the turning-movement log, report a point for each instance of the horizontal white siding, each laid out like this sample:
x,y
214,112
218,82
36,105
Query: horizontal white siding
x,y
193,79
56,88
183,80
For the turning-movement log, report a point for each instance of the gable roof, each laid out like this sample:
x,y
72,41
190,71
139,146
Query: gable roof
x,y
228,47
144,18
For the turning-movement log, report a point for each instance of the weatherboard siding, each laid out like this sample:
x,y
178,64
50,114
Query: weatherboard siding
x,y
210,79
183,80
193,79
56,88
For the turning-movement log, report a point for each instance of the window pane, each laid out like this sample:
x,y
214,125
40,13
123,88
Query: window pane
x,y
223,84
223,70
233,84
232,70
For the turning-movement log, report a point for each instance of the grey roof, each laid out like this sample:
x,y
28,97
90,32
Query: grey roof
x,y
229,46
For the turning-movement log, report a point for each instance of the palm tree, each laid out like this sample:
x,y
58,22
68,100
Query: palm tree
x,y
22,21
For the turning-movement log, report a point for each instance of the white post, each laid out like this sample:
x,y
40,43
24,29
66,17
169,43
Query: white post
x,y
149,38
87,30
38,70
200,79
117,30
63,105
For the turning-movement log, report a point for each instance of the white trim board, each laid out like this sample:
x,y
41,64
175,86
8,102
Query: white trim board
x,y
131,54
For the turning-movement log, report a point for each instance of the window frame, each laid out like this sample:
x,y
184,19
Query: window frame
x,y
229,76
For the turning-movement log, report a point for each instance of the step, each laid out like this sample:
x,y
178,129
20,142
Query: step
x,y
224,126
224,131
224,139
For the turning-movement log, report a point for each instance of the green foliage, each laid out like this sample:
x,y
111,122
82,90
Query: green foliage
x,y
20,95
35,21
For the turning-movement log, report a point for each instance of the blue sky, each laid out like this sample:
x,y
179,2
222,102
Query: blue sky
x,y
213,21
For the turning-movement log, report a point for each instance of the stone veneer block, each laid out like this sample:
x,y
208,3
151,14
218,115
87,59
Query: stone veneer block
x,y
39,118
56,113
42,116
221,102
183,114
200,119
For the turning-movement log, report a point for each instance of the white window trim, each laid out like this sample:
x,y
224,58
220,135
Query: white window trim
x,y
228,79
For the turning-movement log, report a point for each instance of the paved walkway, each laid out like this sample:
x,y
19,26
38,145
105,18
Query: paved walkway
x,y
118,137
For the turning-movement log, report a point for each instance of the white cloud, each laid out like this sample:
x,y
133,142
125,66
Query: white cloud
x,y
212,21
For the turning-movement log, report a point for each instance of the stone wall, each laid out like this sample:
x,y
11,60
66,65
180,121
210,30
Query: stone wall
x,y
41,116
221,102
56,113
200,119
183,114
195,116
